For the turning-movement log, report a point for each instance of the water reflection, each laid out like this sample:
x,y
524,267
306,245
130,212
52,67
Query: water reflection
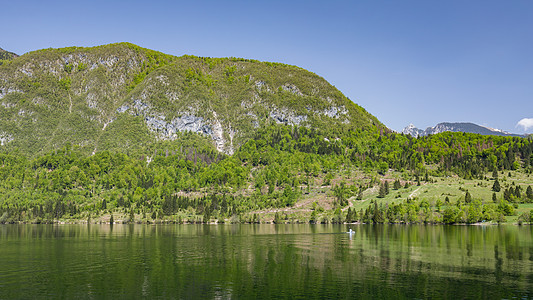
x,y
265,261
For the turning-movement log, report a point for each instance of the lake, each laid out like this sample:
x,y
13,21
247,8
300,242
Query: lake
x,y
265,261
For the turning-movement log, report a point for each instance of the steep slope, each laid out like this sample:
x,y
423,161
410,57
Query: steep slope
x,y
6,55
121,96
454,127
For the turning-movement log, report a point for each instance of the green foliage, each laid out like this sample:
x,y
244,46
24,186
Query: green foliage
x,y
65,83
397,185
496,186
377,215
341,192
468,197
6,56
82,140
68,68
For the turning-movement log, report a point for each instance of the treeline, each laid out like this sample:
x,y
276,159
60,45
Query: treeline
x,y
272,170
466,154
414,212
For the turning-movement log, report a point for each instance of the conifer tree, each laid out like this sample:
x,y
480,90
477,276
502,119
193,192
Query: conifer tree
x,y
397,184
529,193
517,192
377,217
382,191
468,197
496,186
351,215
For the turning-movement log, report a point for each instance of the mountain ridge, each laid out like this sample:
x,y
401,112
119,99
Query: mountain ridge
x,y
6,56
91,96
455,127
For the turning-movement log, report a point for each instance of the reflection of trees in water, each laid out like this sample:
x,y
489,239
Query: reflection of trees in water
x,y
272,261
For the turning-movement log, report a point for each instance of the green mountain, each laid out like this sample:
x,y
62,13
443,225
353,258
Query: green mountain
x,y
123,97
119,133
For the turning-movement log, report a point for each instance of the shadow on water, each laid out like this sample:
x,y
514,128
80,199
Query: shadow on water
x,y
266,261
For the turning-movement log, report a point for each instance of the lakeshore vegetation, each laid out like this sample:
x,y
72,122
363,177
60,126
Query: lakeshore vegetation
x,y
284,174
119,133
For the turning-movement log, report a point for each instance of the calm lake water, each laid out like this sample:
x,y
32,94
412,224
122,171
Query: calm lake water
x,y
265,261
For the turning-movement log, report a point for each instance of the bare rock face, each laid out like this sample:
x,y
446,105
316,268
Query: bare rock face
x,y
412,131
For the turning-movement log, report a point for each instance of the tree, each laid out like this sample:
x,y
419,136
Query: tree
x,y
494,198
366,216
496,186
529,193
524,218
397,185
207,215
340,194
517,192
377,217
450,215
382,191
360,194
351,215
468,197
314,217
132,216
475,212
495,174
383,167
277,218
438,204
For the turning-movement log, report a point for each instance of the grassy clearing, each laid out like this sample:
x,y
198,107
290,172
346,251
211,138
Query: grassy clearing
x,y
434,191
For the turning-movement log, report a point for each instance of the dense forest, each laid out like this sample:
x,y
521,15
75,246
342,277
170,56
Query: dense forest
x,y
327,171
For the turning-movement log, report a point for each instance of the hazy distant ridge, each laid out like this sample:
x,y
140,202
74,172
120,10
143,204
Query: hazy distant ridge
x,y
455,127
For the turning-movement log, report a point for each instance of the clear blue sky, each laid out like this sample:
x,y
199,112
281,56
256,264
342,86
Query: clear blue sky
x,y
420,62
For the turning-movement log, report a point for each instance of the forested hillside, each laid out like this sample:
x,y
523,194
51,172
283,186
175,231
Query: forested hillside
x,y
282,171
119,133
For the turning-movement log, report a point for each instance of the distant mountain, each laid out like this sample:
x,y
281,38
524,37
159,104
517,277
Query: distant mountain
x,y
413,131
455,127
